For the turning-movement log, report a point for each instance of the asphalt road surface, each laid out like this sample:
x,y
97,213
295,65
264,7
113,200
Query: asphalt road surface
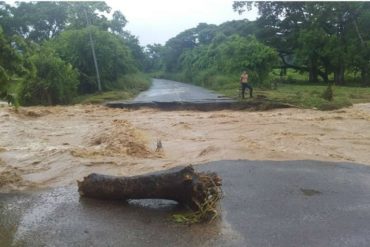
x,y
172,95
172,91
265,203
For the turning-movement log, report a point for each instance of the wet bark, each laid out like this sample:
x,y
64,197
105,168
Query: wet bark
x,y
313,72
325,75
365,76
339,75
313,75
365,68
184,186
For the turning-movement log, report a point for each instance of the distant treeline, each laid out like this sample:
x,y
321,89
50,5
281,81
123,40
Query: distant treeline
x,y
325,40
46,57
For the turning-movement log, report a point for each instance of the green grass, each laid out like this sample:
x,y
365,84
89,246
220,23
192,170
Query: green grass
x,y
295,91
127,87
298,92
98,98
306,96
309,96
130,86
292,76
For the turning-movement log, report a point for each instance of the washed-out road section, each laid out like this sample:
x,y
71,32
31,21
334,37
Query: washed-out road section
x,y
265,203
172,95
172,91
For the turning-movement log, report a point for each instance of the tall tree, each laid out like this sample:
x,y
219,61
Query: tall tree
x,y
115,58
14,64
37,21
55,81
137,51
118,22
154,57
79,13
291,22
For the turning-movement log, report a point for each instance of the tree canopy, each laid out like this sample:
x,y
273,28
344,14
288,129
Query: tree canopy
x,y
327,40
202,53
46,55
318,37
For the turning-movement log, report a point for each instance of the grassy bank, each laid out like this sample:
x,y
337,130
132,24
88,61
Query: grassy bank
x,y
128,88
306,96
293,90
311,96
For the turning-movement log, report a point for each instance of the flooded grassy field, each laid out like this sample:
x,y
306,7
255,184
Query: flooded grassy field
x,y
55,146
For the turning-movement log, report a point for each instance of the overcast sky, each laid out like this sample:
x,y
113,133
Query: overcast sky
x,y
156,21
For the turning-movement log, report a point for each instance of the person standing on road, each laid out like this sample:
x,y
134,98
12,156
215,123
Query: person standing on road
x,y
245,84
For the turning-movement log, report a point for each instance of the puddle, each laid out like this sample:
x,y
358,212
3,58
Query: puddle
x,y
310,192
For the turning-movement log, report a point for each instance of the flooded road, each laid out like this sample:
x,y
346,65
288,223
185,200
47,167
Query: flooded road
x,y
265,203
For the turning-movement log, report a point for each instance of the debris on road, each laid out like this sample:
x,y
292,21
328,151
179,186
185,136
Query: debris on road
x,y
198,191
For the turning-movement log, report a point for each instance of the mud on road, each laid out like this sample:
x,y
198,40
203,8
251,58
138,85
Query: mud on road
x,y
54,146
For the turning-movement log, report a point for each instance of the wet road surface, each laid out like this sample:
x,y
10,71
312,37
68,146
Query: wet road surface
x,y
172,91
266,203
172,95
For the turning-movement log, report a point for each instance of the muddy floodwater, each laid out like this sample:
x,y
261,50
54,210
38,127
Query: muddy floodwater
x,y
55,146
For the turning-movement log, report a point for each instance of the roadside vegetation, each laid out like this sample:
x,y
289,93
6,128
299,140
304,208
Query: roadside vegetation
x,y
128,89
309,54
306,95
47,56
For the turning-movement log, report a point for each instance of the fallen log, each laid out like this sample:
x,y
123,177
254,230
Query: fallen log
x,y
195,190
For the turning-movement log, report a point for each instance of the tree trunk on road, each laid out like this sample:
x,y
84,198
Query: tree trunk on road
x,y
184,186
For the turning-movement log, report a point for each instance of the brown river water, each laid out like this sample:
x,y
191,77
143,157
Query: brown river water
x,y
44,147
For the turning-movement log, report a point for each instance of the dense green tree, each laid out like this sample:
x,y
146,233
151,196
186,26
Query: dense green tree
x,y
359,44
38,21
118,23
231,56
137,51
186,40
55,81
321,36
243,28
175,47
209,50
14,64
10,61
238,54
5,18
154,57
114,57
39,36
81,14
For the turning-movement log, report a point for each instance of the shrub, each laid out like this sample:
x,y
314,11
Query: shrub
x,y
113,56
55,81
328,94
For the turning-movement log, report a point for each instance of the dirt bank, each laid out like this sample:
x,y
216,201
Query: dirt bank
x,y
54,146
